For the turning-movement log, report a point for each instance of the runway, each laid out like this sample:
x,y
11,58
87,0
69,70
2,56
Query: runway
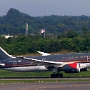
x,y
47,86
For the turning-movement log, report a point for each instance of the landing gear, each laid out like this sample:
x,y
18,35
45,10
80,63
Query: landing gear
x,y
56,75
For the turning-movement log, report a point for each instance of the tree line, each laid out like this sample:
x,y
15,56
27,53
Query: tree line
x,y
31,44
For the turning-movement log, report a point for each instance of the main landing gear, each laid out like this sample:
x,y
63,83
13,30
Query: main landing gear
x,y
57,75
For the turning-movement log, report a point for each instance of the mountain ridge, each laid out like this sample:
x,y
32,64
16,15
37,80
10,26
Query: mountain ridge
x,y
14,23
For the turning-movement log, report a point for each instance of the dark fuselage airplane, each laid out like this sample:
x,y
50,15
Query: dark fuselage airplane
x,y
69,63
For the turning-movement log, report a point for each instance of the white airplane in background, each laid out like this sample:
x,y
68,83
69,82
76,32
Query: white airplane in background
x,y
69,63
43,54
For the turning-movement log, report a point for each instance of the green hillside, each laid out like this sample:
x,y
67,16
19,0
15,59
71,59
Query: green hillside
x,y
14,23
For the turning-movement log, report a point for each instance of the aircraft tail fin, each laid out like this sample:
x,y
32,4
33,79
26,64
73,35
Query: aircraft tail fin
x,y
4,54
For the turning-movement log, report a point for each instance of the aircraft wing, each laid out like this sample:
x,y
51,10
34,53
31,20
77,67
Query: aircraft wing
x,y
45,62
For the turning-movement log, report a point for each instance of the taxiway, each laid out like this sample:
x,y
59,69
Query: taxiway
x,y
47,86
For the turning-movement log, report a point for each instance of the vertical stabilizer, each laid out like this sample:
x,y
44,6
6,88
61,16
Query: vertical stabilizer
x,y
4,54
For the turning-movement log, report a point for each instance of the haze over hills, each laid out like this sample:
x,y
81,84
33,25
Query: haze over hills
x,y
14,23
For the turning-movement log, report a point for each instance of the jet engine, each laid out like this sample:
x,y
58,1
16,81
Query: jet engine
x,y
71,68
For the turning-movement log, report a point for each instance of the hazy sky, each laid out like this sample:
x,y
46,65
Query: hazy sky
x,y
47,7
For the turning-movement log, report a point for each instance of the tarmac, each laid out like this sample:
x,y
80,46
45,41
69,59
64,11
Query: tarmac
x,y
47,86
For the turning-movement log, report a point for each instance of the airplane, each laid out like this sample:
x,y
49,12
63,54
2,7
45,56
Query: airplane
x,y
43,54
69,63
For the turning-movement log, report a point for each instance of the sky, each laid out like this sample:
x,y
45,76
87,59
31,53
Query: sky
x,y
47,7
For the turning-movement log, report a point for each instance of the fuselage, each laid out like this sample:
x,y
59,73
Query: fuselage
x,y
20,64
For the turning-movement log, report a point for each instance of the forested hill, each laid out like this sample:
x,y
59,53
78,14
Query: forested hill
x,y
14,23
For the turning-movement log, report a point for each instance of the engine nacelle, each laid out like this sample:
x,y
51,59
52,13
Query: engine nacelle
x,y
72,68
